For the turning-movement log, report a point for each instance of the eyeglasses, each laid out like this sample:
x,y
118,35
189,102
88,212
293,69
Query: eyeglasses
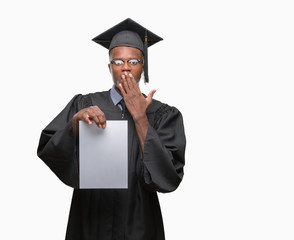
x,y
131,62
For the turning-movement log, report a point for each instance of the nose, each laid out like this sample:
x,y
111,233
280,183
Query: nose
x,y
126,66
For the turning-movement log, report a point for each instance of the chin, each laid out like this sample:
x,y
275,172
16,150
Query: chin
x,y
118,82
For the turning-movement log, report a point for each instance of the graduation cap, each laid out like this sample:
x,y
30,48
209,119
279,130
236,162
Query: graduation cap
x,y
131,34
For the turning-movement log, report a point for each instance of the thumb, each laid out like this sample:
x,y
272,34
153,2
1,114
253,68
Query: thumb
x,y
150,96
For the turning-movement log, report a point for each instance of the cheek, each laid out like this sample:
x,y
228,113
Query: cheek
x,y
138,74
114,73
117,75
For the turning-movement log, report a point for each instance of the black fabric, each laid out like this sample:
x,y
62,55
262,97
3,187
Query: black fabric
x,y
127,39
117,214
105,38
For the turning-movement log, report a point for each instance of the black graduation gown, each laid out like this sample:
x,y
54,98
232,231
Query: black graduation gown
x,y
116,214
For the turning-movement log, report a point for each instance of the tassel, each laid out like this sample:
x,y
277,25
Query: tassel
x,y
146,77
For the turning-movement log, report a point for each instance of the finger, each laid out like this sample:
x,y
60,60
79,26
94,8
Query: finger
x,y
128,77
102,120
93,117
126,81
82,116
133,82
123,80
86,118
122,90
150,96
99,117
96,115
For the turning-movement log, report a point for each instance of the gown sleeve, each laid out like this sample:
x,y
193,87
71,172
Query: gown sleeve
x,y
164,152
57,145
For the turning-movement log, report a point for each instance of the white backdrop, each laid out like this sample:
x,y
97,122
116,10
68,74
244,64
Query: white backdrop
x,y
227,65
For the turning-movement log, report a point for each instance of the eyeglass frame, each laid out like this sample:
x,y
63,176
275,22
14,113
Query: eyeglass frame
x,y
124,61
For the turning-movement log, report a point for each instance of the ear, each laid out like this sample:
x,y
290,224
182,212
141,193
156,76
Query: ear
x,y
109,67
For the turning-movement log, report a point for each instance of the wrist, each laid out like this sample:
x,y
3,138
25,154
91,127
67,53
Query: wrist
x,y
75,125
142,118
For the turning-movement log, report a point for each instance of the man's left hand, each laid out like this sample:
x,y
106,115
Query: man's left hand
x,y
136,103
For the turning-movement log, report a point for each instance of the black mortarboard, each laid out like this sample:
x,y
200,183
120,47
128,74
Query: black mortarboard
x,y
131,34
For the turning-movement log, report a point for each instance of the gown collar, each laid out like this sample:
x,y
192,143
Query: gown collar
x,y
115,96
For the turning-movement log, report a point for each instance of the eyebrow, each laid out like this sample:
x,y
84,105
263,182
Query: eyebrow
x,y
141,57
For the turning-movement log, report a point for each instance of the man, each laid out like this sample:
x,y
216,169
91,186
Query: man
x,y
156,146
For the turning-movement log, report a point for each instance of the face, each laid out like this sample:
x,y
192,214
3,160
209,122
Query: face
x,y
125,53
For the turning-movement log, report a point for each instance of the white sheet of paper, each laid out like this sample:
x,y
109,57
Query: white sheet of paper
x,y
104,155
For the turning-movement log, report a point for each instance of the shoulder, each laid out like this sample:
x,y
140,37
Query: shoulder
x,y
96,95
90,99
159,107
160,110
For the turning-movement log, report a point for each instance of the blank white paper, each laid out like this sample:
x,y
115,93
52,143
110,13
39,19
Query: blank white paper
x,y
103,155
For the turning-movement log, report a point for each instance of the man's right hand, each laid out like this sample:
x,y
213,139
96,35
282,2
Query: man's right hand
x,y
89,115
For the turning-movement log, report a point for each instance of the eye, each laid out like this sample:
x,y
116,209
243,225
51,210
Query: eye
x,y
133,61
117,62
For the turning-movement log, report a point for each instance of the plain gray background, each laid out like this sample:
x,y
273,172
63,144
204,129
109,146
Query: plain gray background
x,y
227,65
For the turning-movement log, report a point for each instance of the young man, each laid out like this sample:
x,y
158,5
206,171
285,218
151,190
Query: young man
x,y
156,146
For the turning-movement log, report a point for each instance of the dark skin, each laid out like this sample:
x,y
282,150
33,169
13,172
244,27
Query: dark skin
x,y
126,79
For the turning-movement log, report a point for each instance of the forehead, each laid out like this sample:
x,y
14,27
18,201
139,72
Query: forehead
x,y
125,52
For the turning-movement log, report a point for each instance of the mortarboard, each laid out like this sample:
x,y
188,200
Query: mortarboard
x,y
131,34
